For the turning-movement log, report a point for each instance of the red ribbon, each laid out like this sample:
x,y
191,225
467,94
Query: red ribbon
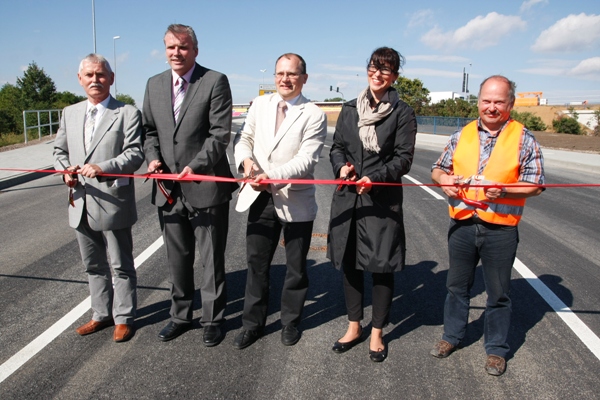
x,y
211,178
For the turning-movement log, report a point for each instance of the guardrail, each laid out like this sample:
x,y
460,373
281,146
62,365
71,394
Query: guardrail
x,y
39,124
441,125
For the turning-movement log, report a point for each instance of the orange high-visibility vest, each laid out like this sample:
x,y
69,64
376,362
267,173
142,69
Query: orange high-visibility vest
x,y
502,167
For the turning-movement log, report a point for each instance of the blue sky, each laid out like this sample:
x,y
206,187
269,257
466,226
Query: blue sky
x,y
552,46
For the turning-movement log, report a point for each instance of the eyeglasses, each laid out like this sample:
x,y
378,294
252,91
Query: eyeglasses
x,y
291,75
374,68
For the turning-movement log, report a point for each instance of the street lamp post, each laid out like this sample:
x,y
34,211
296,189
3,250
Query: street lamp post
x,y
115,60
263,73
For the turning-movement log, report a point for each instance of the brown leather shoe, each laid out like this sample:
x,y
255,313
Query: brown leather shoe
x,y
442,349
495,365
93,327
123,332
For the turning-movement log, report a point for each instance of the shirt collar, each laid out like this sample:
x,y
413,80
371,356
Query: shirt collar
x,y
100,106
481,128
292,102
187,76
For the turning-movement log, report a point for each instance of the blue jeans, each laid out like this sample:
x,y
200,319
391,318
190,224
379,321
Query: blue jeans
x,y
496,247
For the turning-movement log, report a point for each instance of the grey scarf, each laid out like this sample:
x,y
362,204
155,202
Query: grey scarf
x,y
367,117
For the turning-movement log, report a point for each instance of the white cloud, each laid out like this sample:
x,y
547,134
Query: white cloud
x,y
420,18
479,33
570,34
589,68
528,4
438,58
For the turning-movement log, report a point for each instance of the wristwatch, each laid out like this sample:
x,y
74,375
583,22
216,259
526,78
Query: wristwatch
x,y
503,194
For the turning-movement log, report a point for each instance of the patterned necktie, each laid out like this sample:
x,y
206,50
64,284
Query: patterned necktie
x,y
88,131
281,107
179,99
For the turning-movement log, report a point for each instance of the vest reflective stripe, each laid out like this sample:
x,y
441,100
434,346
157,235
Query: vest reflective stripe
x,y
503,166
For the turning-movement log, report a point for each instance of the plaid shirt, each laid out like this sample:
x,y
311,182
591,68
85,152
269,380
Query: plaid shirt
x,y
531,158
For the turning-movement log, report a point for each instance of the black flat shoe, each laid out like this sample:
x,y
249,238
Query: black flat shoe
x,y
173,330
378,356
339,347
212,335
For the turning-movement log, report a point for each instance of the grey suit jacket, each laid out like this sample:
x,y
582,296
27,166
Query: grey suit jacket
x,y
291,153
117,149
198,140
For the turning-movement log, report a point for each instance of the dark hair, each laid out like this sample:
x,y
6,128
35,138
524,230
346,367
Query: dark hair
x,y
387,56
179,29
512,87
289,56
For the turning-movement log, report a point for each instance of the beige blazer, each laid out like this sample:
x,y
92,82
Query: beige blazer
x,y
291,153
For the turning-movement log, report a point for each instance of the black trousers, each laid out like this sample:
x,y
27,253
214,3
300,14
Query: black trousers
x,y
182,226
354,288
262,237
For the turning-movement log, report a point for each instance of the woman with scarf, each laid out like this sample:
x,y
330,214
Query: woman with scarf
x,y
373,143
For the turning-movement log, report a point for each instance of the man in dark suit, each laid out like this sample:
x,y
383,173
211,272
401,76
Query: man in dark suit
x,y
187,124
105,136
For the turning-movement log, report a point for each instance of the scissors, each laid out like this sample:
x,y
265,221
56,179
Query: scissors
x,y
246,178
73,176
346,178
475,179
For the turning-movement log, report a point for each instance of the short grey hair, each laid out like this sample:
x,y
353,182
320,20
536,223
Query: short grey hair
x,y
95,59
179,29
512,87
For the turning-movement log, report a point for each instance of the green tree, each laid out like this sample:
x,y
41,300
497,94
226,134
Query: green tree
x,y
334,99
566,124
38,90
64,99
530,120
125,98
11,110
452,108
412,92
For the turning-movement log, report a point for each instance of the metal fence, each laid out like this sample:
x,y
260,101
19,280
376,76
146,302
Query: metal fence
x,y
48,121
441,125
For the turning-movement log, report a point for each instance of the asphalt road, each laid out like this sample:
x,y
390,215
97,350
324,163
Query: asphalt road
x,y
42,281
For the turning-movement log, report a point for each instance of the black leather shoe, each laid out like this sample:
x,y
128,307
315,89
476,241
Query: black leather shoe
x,y
342,347
212,335
378,356
173,330
246,337
290,335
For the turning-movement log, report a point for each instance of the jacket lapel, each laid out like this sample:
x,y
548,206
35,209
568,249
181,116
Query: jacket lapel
x,y
192,89
292,115
106,122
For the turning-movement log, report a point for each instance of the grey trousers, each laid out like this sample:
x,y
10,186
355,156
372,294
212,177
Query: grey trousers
x,y
118,303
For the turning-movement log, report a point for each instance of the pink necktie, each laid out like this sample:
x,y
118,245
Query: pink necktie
x,y
179,99
281,107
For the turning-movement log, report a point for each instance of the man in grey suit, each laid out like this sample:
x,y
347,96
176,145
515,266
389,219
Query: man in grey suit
x,y
282,138
102,135
187,124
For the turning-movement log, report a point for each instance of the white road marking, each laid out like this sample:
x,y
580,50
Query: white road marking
x,y
582,331
36,345
585,334
425,188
